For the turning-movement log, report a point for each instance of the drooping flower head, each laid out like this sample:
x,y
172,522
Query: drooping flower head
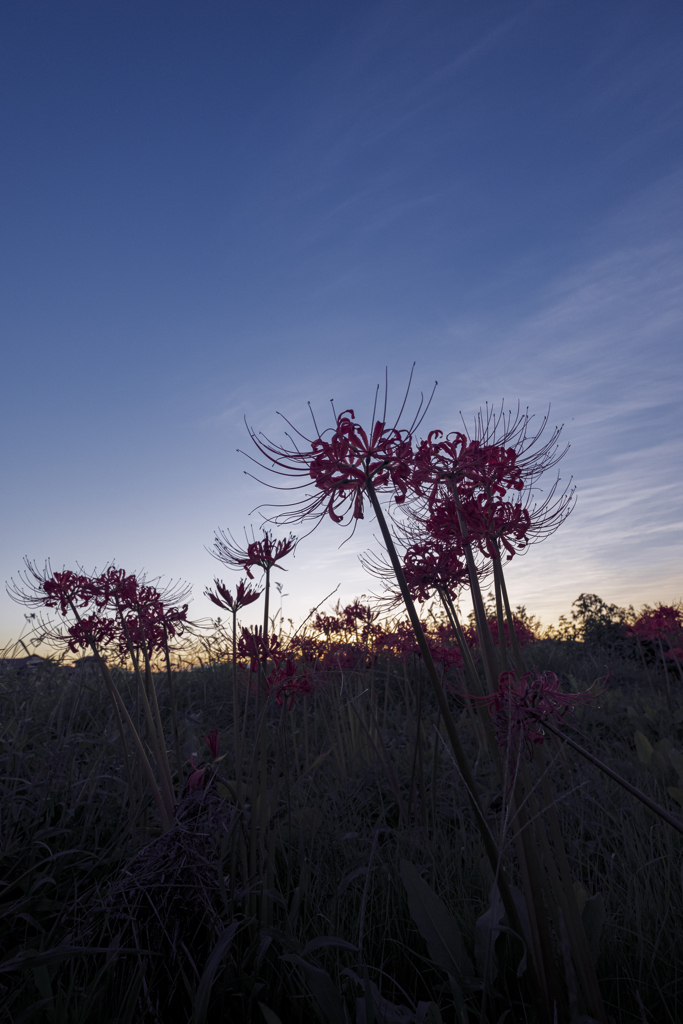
x,y
197,777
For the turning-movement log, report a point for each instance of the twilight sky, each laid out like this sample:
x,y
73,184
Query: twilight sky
x,y
213,209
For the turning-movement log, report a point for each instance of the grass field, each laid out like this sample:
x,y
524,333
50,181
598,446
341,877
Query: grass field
x,y
299,893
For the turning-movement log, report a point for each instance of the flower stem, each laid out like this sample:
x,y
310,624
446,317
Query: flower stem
x,y
460,758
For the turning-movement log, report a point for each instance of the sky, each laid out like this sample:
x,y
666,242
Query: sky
x,y
216,211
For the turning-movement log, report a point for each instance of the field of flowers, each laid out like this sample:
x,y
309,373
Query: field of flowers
x,y
392,813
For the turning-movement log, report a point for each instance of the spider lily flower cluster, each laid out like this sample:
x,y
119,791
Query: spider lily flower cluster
x,y
118,614
113,610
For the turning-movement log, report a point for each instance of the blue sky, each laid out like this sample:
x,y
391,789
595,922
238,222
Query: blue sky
x,y
214,210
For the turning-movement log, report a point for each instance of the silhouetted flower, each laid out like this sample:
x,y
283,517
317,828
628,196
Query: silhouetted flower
x,y
286,682
458,461
254,646
342,462
264,553
244,595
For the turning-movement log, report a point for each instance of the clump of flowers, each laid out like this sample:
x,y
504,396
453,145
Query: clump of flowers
x,y
120,614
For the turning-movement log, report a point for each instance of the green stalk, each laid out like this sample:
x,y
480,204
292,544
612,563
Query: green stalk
x,y
462,642
263,743
499,614
488,650
514,643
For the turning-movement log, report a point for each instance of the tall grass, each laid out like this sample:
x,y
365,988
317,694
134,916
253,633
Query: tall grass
x,y
105,918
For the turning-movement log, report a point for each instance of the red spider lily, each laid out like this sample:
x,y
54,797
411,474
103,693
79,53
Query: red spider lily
x,y
341,466
285,682
400,641
328,624
115,587
515,430
459,461
490,522
149,625
145,616
92,629
342,462
65,589
141,615
307,648
258,649
522,703
264,553
244,595
357,612
446,655
213,742
485,473
433,566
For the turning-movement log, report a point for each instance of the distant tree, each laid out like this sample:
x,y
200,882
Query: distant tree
x,y
602,624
